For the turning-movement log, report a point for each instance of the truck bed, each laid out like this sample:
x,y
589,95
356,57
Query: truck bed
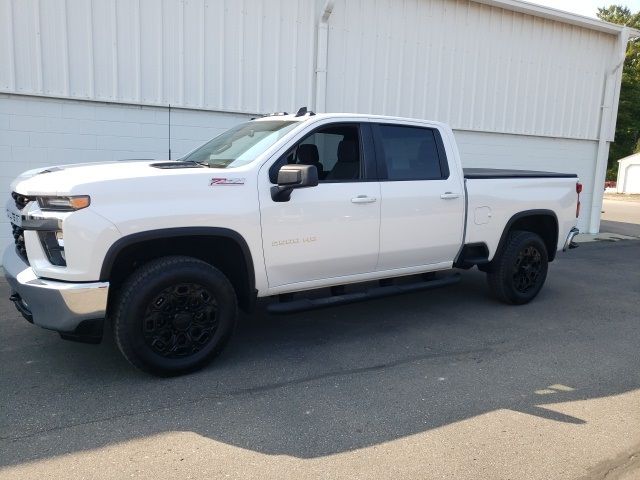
x,y
480,173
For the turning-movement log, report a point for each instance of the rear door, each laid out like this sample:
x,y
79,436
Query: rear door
x,y
422,209
327,231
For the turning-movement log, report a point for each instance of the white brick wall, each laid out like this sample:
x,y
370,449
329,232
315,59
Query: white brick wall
x,y
38,132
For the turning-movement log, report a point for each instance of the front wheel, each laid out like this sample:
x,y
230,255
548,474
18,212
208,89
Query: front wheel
x,y
174,315
519,272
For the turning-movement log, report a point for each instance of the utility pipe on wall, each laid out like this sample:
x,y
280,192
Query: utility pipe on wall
x,y
607,131
322,46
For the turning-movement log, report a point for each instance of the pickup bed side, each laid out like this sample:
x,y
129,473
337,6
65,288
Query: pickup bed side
x,y
495,202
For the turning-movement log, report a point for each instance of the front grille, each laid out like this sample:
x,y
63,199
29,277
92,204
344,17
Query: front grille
x,y
21,200
18,238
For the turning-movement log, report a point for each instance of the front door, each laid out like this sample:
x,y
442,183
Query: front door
x,y
327,231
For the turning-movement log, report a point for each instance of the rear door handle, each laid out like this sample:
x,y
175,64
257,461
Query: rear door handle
x,y
363,199
449,195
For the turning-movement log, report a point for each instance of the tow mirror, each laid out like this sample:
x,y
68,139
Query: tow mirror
x,y
291,177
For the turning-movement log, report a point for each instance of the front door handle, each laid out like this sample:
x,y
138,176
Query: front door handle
x,y
363,199
449,195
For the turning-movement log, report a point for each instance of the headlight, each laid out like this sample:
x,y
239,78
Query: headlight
x,y
64,204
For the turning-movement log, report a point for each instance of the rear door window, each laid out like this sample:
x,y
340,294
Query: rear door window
x,y
410,153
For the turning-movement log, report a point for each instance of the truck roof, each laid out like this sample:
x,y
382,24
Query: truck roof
x,y
292,117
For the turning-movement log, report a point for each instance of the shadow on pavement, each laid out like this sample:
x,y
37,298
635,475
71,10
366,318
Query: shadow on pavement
x,y
620,228
331,381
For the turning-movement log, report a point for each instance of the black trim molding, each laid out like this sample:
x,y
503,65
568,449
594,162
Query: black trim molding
x,y
485,173
524,214
139,237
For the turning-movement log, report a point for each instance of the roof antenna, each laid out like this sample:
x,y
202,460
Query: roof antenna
x,y
169,131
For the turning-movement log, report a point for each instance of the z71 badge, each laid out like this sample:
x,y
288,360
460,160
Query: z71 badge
x,y
226,181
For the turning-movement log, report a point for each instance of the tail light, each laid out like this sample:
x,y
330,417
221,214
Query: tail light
x,y
578,190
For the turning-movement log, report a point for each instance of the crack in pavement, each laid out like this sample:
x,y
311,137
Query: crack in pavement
x,y
618,467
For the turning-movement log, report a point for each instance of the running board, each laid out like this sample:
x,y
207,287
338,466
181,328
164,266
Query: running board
x,y
304,304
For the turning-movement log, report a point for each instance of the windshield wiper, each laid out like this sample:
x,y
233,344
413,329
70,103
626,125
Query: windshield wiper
x,y
203,164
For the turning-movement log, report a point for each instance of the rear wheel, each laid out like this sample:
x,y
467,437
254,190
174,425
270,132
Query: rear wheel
x,y
518,274
174,315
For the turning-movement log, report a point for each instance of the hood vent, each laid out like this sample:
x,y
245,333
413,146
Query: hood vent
x,y
50,170
170,165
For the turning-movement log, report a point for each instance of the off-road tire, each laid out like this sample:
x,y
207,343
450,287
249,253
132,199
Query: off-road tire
x,y
178,284
509,281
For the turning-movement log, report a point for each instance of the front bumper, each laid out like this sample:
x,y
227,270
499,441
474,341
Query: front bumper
x,y
569,243
53,304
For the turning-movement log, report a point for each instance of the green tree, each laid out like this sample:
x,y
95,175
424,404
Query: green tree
x,y
628,123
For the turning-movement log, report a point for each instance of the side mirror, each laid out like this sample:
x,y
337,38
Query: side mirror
x,y
291,177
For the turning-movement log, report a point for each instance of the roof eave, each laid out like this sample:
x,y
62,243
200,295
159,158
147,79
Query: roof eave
x,y
559,16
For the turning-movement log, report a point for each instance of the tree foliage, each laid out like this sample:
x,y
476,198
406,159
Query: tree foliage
x,y
627,139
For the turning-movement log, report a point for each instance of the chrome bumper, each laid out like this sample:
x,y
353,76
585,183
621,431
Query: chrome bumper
x,y
52,304
569,243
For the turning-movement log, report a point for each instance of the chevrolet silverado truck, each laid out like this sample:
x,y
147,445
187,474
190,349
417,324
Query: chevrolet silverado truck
x,y
310,210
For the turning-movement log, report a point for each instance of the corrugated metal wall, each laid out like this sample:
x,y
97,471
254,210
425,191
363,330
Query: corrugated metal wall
x,y
474,66
229,55
471,65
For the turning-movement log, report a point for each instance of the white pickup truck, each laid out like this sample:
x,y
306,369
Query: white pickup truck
x,y
310,210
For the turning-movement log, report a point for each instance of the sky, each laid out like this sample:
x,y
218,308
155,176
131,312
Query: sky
x,y
588,8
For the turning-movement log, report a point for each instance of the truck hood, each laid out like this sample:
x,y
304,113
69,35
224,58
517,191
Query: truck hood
x,y
67,179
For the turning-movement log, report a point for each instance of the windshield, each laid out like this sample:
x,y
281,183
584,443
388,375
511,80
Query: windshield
x,y
240,145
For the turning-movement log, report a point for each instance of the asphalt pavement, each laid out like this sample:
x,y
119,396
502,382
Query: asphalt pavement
x,y
621,217
440,384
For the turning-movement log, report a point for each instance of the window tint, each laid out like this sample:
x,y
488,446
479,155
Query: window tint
x,y
334,150
409,153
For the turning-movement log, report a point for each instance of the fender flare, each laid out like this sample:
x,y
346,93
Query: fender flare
x,y
134,238
524,214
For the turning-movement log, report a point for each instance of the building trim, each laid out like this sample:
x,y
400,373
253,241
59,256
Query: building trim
x,y
608,116
255,114
558,15
125,103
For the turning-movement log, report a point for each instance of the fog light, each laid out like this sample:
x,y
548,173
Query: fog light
x,y
53,245
60,240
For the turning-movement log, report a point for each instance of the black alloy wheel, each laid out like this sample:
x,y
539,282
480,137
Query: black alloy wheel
x,y
527,269
180,320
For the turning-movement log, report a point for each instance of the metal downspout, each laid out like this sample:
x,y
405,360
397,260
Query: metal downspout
x,y
322,45
607,131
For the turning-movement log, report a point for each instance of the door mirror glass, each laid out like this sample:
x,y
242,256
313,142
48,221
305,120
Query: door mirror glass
x,y
291,177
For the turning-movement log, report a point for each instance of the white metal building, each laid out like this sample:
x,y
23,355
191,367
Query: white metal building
x,y
523,86
629,174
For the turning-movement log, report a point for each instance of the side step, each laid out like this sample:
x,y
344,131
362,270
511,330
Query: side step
x,y
305,304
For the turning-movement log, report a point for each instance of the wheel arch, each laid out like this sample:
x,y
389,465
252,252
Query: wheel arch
x,y
223,248
540,221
